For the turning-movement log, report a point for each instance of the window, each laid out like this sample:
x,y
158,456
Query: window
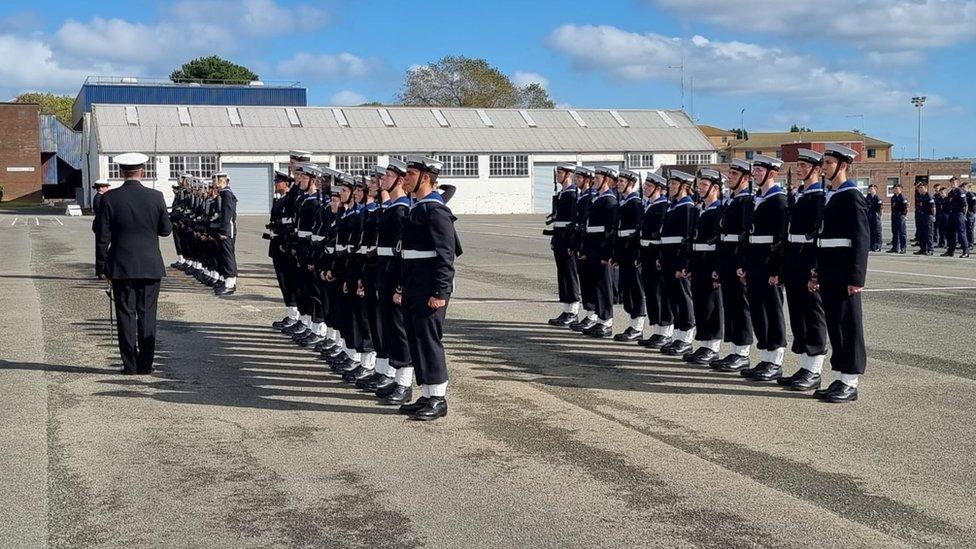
x,y
184,113
400,157
340,118
527,117
508,165
440,118
199,166
620,120
131,116
578,118
640,160
293,118
459,165
725,139
485,119
889,185
234,116
862,184
387,119
115,173
872,153
696,158
750,155
355,164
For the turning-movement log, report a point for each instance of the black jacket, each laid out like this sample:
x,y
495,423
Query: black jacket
x,y
96,204
800,255
899,206
677,230
429,229
627,243
768,222
704,261
845,217
563,227
733,229
227,213
601,227
131,219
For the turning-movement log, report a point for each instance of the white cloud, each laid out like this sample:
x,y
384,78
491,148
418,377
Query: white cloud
x,y
29,64
873,25
346,97
729,68
250,17
522,79
326,66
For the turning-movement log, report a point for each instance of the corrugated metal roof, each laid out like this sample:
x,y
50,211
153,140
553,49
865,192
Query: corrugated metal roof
x,y
267,130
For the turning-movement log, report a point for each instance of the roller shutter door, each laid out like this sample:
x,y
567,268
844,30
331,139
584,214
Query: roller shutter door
x,y
251,184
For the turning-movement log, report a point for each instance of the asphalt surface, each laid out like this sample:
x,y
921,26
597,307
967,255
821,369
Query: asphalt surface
x,y
240,439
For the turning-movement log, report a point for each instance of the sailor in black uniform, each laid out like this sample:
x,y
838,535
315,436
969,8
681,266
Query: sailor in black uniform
x,y
298,242
587,193
842,261
761,270
180,194
957,208
677,231
597,250
736,216
899,210
875,208
367,281
807,320
227,235
563,229
276,232
658,310
971,211
430,245
626,254
706,295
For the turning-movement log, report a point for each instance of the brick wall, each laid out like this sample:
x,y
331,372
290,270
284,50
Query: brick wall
x,y
20,152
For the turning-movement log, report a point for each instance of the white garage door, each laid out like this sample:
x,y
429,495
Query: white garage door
x,y
252,186
542,189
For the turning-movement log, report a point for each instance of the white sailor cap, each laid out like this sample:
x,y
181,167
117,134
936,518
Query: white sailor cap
x,y
712,175
378,171
397,165
309,169
840,152
584,171
100,183
566,167
809,156
217,175
425,164
629,175
657,179
347,180
329,173
767,162
301,156
680,176
283,176
363,180
608,171
130,160
740,165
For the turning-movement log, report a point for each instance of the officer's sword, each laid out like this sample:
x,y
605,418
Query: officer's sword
x,y
111,309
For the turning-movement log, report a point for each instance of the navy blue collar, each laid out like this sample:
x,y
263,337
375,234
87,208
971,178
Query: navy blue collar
x,y
682,202
772,190
847,185
814,187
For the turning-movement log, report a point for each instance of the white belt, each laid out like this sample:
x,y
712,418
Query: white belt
x,y
703,247
626,232
597,229
672,239
649,242
385,252
731,237
303,234
317,238
834,243
761,239
561,224
800,239
340,248
419,254
286,220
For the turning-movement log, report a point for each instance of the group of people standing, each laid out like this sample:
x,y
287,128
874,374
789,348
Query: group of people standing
x,y
944,218
365,265
709,257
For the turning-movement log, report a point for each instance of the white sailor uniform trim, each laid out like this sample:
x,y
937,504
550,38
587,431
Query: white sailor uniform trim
x,y
340,248
648,242
800,239
731,238
703,247
560,224
286,220
304,234
317,238
761,239
672,239
834,243
626,232
596,229
384,251
419,254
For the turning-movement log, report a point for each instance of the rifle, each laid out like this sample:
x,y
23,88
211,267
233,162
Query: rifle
x,y
555,200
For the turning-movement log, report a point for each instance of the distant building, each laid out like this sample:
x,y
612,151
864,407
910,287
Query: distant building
x,y
784,144
20,152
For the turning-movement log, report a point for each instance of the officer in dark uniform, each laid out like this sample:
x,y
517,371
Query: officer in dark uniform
x,y
971,213
924,219
101,187
658,310
677,230
706,295
175,212
875,207
762,267
736,219
275,233
597,250
899,211
842,260
626,254
430,245
807,321
957,209
584,182
299,242
227,233
563,229
941,216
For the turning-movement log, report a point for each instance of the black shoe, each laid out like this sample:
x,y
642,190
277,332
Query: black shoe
x,y
702,356
349,366
656,341
283,323
398,395
436,407
599,330
312,340
411,408
564,319
293,328
373,377
768,373
582,325
947,254
355,375
224,290
127,372
676,348
842,393
803,380
965,255
903,252
385,390
630,334
822,393
379,385
892,251
732,363
748,372
175,265
298,336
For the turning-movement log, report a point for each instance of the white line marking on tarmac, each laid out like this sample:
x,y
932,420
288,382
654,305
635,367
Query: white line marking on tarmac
x,y
37,222
508,235
59,222
536,264
15,221
923,275
933,288
251,308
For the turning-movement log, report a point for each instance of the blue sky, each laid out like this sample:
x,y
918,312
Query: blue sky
x,y
816,64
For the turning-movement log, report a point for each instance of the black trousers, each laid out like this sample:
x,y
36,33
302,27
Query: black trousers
x,y
135,308
392,325
709,322
370,306
874,227
280,262
631,289
658,310
678,291
599,280
899,233
766,306
807,321
924,232
587,287
941,228
957,233
226,258
333,314
177,237
425,328
317,296
845,328
353,326
566,276
735,308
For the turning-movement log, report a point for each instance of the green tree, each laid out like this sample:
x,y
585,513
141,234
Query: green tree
x,y
50,103
740,133
458,81
797,129
212,68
